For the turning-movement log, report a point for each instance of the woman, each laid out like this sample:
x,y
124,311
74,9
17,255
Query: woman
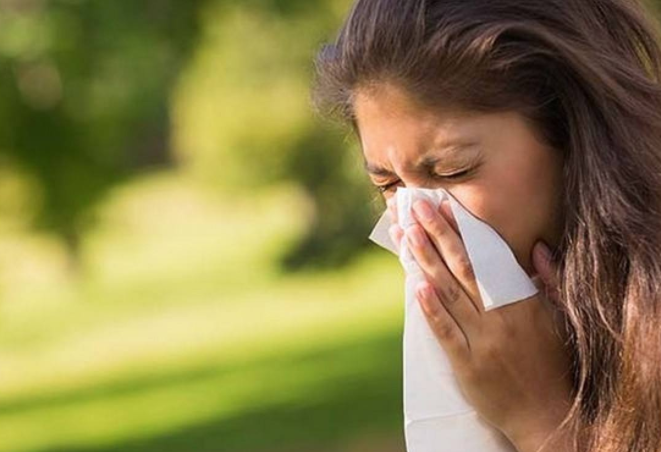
x,y
543,118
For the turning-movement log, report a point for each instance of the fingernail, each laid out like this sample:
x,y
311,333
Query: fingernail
x,y
423,291
543,250
423,210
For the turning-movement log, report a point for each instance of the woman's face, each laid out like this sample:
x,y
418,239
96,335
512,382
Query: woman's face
x,y
493,164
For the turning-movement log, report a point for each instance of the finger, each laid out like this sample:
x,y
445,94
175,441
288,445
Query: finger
x,y
445,328
446,210
396,234
546,269
451,248
449,291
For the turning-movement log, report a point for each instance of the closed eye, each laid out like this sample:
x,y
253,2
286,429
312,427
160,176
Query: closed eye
x,y
453,175
385,188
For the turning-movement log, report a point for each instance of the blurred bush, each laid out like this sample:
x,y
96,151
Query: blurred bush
x,y
84,88
97,92
168,150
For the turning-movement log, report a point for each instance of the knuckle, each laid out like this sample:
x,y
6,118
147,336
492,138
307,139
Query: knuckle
x,y
451,294
465,268
438,275
436,228
443,329
426,259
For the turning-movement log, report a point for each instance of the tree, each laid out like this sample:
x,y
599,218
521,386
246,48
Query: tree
x,y
85,88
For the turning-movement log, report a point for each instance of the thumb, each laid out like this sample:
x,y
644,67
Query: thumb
x,y
546,268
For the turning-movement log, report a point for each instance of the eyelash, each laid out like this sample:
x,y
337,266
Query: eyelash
x,y
385,188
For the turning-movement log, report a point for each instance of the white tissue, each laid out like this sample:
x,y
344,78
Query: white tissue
x,y
437,416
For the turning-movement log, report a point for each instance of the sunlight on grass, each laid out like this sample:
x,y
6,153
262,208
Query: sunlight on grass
x,y
182,319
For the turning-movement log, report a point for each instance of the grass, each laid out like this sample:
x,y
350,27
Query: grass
x,y
182,335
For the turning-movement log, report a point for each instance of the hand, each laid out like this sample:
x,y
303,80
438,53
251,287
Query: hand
x,y
511,362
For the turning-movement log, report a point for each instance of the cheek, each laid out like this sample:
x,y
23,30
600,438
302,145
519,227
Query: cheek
x,y
518,201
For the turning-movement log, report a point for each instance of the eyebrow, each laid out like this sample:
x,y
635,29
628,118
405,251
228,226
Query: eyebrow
x,y
425,164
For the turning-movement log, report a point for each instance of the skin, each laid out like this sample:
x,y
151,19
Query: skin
x,y
511,363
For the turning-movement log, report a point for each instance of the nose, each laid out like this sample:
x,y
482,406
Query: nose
x,y
417,183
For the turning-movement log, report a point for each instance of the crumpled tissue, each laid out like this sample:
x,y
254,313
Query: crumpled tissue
x,y
437,416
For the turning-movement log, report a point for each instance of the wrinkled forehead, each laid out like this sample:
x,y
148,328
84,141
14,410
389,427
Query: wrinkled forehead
x,y
393,129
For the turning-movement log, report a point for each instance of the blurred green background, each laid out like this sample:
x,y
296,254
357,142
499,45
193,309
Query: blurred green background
x,y
183,255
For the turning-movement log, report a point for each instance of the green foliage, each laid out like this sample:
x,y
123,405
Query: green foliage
x,y
184,335
245,121
330,170
85,95
95,92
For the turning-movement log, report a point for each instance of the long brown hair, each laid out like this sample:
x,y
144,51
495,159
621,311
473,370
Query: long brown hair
x,y
586,74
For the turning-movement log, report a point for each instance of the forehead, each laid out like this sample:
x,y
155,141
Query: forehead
x,y
391,123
